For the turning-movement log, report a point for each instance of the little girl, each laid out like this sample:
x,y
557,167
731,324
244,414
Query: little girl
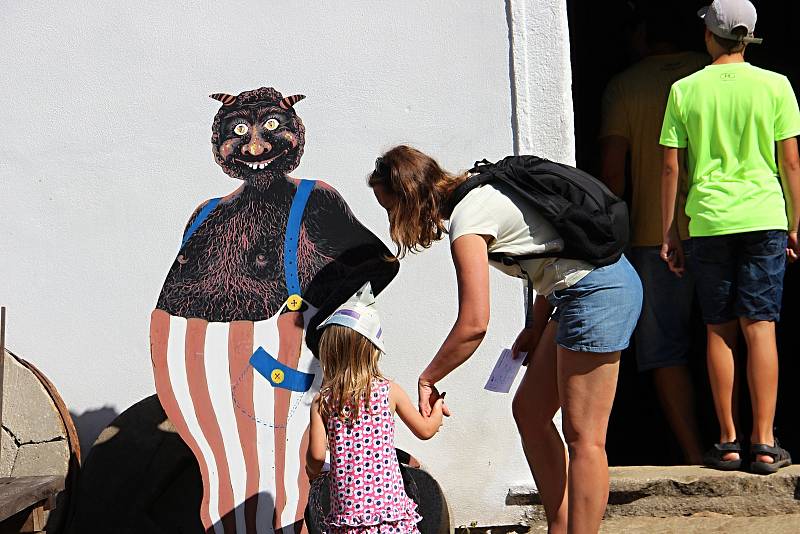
x,y
353,416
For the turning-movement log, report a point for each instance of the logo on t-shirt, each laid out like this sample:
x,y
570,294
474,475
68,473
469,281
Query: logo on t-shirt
x,y
727,76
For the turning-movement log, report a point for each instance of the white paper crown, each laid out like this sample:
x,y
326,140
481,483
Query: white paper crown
x,y
360,314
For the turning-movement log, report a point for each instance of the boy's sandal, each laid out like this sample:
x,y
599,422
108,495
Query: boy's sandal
x,y
780,458
714,456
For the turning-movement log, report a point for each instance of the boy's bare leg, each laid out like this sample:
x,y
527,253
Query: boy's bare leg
x,y
762,377
676,396
721,369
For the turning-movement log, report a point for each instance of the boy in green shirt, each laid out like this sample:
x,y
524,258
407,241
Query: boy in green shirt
x,y
727,118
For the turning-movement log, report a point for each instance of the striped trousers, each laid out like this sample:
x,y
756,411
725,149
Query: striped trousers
x,y
249,437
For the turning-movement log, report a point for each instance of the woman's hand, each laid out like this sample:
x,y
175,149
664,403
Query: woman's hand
x,y
526,342
428,395
528,338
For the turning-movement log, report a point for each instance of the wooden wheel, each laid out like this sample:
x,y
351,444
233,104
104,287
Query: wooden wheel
x,y
38,440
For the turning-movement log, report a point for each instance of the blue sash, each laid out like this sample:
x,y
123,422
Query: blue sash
x,y
280,375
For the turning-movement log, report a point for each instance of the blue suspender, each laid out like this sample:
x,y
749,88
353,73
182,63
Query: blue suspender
x,y
204,213
292,237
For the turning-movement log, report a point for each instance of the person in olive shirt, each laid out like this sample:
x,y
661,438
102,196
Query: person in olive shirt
x,y
728,119
633,107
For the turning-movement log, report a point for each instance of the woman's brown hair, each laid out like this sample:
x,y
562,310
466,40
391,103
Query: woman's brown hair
x,y
349,366
420,188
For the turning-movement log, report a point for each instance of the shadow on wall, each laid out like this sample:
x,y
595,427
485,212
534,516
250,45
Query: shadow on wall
x,y
138,477
89,424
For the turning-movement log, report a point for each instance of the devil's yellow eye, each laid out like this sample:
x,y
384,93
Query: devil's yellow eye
x,y
240,129
271,124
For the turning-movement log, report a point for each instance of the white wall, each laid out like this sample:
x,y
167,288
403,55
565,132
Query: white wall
x,y
105,151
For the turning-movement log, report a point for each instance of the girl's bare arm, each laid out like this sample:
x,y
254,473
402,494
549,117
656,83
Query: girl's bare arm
x,y
317,442
422,427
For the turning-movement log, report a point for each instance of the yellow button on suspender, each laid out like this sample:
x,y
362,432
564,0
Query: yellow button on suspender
x,y
277,376
294,302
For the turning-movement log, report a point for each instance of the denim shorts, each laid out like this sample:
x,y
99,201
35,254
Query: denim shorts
x,y
740,275
599,312
664,331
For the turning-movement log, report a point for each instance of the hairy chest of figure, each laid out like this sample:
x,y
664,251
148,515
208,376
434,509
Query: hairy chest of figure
x,y
234,265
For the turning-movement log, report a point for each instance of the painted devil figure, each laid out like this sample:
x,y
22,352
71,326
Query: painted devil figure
x,y
233,333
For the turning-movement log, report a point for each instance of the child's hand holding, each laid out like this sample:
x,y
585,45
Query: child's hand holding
x,y
437,413
424,427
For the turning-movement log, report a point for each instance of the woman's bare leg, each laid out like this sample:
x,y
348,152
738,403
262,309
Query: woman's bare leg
x,y
587,383
534,406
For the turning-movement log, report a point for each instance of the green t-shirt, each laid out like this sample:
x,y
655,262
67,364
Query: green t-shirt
x,y
729,117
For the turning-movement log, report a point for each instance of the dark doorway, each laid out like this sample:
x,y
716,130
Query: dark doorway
x,y
600,37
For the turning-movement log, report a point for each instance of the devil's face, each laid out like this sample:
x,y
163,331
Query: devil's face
x,y
256,141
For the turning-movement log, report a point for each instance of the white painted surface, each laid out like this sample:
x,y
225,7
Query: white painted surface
x,y
105,152
542,79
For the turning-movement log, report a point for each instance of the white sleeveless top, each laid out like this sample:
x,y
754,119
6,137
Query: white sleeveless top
x,y
492,210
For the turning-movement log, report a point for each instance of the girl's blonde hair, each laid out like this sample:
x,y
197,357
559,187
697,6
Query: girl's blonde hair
x,y
420,188
349,365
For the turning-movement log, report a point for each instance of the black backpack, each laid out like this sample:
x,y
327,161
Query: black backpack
x,y
592,221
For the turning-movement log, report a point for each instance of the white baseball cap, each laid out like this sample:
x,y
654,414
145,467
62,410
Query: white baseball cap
x,y
723,16
360,314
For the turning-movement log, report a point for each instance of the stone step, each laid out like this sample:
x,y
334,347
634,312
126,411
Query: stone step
x,y
701,523
653,491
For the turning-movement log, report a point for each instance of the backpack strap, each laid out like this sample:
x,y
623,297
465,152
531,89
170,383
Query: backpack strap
x,y
290,243
202,216
500,257
465,187
481,166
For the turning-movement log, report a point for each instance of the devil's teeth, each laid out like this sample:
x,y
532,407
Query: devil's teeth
x,y
257,166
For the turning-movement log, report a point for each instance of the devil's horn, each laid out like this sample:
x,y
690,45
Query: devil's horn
x,y
290,101
225,98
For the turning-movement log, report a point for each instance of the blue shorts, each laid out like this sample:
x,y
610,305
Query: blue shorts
x,y
599,312
740,275
663,334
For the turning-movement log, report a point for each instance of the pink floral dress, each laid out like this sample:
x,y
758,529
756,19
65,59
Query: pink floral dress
x,y
367,492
